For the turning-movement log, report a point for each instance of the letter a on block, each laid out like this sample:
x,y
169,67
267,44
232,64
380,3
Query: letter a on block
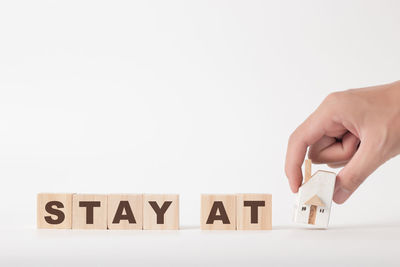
x,y
218,212
89,211
254,211
160,212
125,211
54,211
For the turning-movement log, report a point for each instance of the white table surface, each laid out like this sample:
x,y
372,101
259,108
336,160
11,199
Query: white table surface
x,y
340,245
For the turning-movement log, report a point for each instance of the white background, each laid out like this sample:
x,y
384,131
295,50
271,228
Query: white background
x,y
185,97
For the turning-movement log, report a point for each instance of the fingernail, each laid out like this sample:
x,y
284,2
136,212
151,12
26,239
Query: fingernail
x,y
341,195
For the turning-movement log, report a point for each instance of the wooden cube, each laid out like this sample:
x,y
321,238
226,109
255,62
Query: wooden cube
x,y
218,212
89,211
125,211
160,212
254,211
54,211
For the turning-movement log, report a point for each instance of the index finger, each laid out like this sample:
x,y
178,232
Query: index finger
x,y
308,133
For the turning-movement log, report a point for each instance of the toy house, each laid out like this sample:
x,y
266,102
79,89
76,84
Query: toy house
x,y
314,198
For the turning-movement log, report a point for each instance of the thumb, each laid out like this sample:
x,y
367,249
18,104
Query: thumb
x,y
362,164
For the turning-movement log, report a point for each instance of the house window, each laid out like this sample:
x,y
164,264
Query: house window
x,y
321,210
303,208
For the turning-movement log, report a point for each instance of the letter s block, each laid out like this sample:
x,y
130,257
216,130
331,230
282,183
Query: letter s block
x,y
254,211
218,212
54,211
89,211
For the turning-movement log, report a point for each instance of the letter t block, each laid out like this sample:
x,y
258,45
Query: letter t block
x,y
254,211
89,211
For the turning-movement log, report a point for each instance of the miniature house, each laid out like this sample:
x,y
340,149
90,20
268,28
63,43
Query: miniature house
x,y
314,199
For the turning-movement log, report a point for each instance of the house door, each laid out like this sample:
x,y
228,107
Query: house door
x,y
312,215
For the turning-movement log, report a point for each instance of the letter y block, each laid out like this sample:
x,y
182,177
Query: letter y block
x,y
160,212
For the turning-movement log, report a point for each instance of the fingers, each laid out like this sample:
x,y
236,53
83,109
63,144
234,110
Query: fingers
x,y
337,164
358,163
363,163
335,153
308,133
322,144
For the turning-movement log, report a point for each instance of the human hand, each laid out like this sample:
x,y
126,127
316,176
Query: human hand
x,y
358,129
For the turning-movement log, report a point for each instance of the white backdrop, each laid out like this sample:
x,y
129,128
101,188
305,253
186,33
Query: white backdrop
x,y
183,97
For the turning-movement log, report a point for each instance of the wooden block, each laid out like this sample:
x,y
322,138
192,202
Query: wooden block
x,y
125,211
254,211
160,212
314,199
89,211
54,211
218,212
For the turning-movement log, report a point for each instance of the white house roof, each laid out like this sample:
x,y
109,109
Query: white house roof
x,y
316,174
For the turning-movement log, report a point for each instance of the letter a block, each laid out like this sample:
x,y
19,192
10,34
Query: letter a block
x,y
89,211
160,212
218,212
125,211
254,211
54,211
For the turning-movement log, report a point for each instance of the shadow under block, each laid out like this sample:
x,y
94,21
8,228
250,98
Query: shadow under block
x,y
89,211
125,211
254,211
54,211
160,212
218,212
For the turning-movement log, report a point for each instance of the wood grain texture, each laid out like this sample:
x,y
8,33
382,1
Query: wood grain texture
x,y
213,211
130,206
254,211
89,211
160,212
59,214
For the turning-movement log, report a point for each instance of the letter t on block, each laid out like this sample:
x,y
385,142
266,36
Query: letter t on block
x,y
54,211
89,211
254,211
